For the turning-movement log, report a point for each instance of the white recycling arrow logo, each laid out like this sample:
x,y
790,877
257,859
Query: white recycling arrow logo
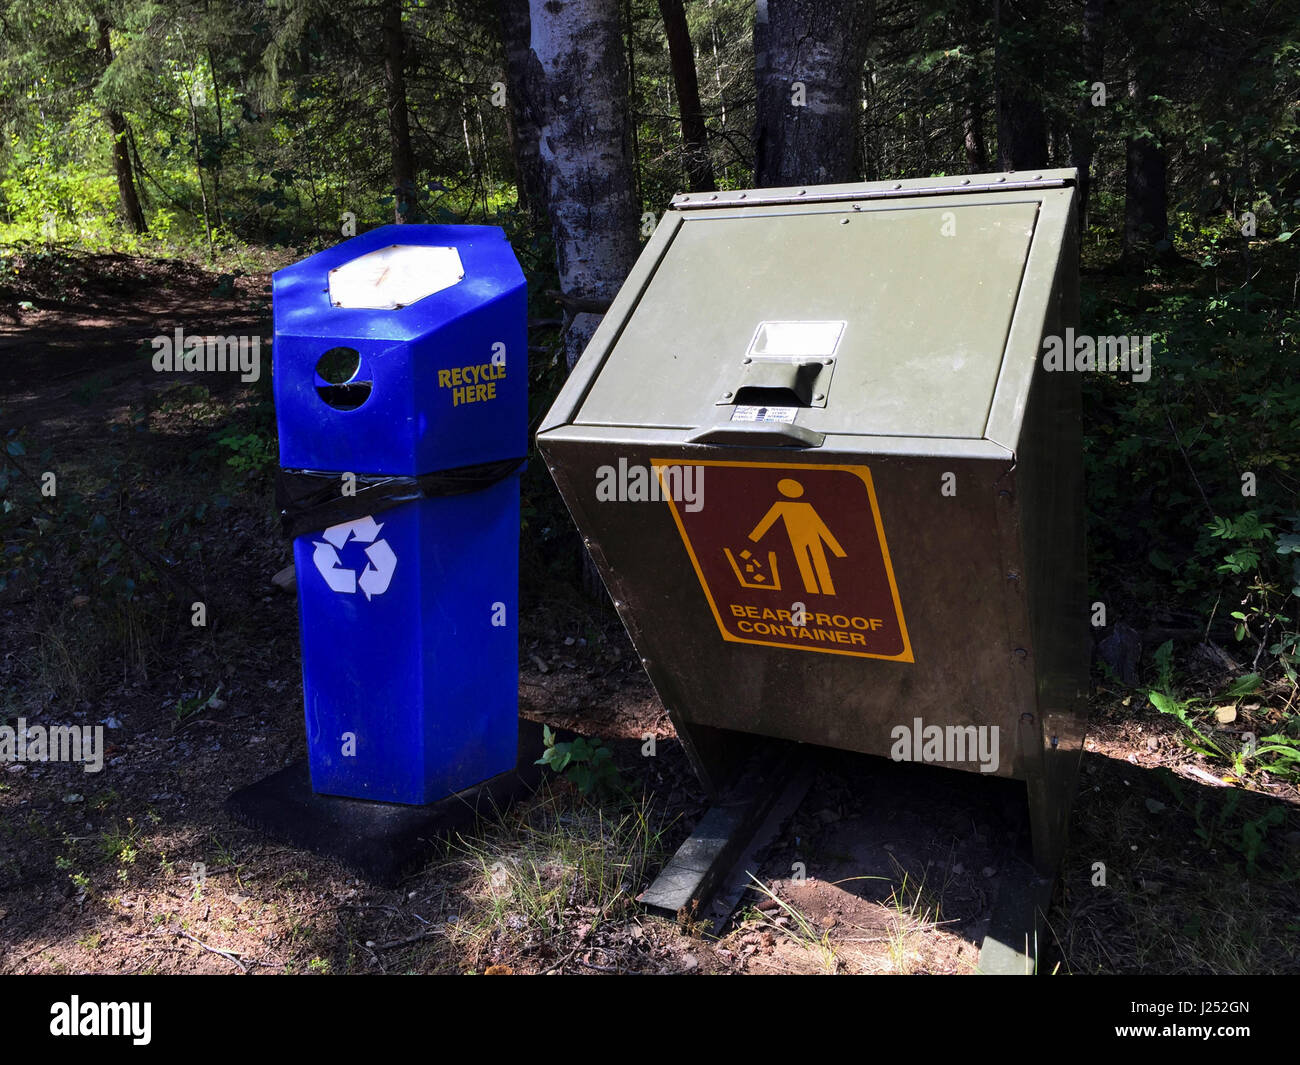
x,y
374,580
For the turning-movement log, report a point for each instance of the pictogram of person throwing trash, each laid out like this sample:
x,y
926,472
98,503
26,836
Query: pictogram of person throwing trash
x,y
809,536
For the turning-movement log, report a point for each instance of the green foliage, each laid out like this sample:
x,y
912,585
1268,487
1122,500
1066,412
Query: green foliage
x,y
118,583
1244,835
1211,434
248,444
1247,529
58,185
252,452
586,763
1183,710
1231,818
191,705
74,534
1277,754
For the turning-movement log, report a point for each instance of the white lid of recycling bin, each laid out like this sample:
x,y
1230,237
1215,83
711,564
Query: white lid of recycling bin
x,y
395,276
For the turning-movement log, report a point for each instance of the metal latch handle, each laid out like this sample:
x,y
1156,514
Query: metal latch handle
x,y
758,434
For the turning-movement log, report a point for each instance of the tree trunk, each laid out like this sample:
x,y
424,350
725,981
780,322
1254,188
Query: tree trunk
x,y
1146,207
1056,149
399,126
974,94
629,29
808,57
695,137
221,142
585,152
1082,138
126,192
522,76
722,103
137,170
977,156
1145,202
198,168
1022,130
586,156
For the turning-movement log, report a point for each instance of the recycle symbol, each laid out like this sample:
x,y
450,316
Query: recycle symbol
x,y
374,580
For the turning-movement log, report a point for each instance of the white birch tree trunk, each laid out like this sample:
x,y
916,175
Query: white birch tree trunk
x,y
586,154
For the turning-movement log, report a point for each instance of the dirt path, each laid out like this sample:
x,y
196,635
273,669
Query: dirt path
x,y
80,330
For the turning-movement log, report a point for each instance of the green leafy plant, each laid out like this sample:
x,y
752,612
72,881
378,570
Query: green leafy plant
x,y
586,763
1183,710
1277,753
190,706
1263,610
1163,699
1246,835
1231,819
251,452
1247,532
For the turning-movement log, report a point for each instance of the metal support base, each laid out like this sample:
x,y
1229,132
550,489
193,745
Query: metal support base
x,y
380,841
1012,945
706,877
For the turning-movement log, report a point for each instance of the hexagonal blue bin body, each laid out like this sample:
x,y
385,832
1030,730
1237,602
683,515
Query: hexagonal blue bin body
x,y
409,633
412,695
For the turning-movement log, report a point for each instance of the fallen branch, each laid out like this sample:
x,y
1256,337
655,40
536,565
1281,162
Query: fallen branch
x,y
30,953
561,963
229,955
428,933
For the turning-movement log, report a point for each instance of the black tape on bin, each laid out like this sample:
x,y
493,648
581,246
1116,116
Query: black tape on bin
x,y
311,500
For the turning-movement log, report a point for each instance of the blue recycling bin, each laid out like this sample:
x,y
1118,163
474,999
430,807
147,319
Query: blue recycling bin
x,y
400,379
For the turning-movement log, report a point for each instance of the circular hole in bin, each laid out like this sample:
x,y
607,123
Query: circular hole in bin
x,y
336,379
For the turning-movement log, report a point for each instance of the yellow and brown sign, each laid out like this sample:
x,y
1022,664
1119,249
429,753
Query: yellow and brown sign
x,y
795,556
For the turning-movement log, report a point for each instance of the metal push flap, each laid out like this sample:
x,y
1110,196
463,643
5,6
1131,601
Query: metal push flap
x,y
788,381
787,367
787,364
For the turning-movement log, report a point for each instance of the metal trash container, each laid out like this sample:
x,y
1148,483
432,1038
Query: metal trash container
x,y
401,395
831,488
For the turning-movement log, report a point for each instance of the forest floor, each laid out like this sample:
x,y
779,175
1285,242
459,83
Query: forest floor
x,y
138,869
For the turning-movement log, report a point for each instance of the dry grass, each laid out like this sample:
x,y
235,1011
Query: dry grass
x,y
551,871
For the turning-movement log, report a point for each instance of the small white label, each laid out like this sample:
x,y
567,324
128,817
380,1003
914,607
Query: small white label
x,y
764,414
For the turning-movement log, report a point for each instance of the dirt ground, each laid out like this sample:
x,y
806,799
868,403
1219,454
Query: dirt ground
x,y
885,868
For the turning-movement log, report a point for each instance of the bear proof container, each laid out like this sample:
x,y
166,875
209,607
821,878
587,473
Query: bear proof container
x,y
400,359
832,489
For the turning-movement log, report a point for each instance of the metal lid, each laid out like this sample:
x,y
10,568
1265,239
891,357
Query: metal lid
x,y
865,310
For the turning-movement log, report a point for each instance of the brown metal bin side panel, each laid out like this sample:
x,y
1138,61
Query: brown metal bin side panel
x,y
948,571
1051,506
